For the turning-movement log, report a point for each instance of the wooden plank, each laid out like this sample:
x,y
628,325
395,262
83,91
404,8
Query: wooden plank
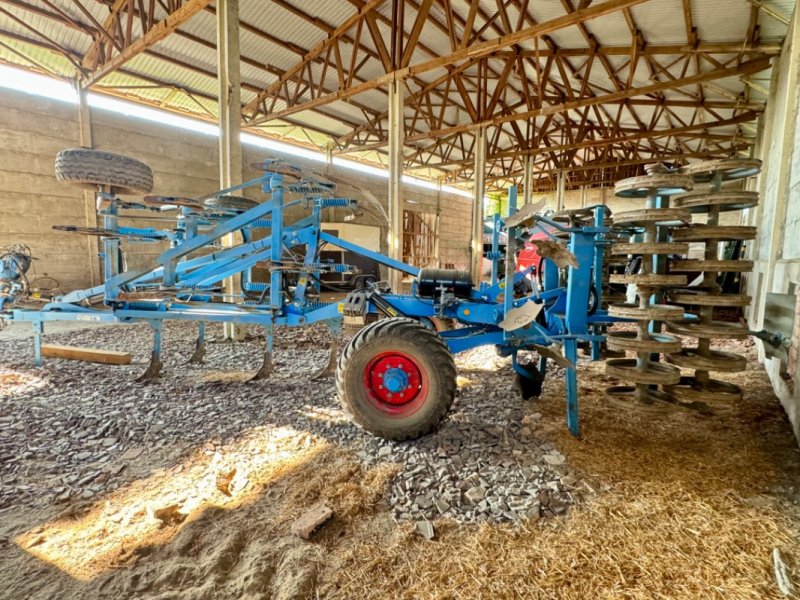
x,y
98,355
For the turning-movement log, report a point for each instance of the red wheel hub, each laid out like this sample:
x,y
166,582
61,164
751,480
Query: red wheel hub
x,y
395,382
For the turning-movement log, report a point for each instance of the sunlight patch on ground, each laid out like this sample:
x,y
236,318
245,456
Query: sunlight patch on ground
x,y
152,511
329,415
15,383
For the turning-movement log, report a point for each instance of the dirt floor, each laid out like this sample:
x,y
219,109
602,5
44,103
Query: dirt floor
x,y
681,506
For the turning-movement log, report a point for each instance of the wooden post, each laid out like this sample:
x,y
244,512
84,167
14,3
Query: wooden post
x,y
230,118
396,133
477,204
527,179
86,140
560,184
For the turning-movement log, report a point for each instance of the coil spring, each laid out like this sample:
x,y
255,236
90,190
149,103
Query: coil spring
x,y
143,305
256,286
256,305
331,202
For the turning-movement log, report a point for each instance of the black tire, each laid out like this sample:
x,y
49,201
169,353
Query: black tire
x,y
90,168
529,387
388,340
443,323
362,282
593,300
236,204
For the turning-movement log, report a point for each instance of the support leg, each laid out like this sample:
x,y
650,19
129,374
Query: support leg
x,y
596,346
571,351
153,370
542,366
38,329
266,367
199,345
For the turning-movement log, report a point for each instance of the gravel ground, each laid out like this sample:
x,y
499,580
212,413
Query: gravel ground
x,y
71,431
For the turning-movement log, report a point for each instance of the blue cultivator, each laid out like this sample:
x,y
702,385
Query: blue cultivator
x,y
397,375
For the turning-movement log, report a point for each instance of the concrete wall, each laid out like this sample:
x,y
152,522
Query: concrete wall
x,y
34,129
776,252
31,200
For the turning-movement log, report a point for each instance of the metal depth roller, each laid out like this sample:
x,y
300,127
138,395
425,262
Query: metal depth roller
x,y
643,371
703,298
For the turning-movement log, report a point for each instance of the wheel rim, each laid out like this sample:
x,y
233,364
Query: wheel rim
x,y
396,383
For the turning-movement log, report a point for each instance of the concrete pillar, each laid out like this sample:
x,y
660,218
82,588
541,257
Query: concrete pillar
x,y
396,133
230,119
584,196
477,204
86,140
527,180
778,171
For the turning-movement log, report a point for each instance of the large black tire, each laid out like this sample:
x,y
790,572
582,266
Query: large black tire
x,y
391,342
529,387
362,282
90,168
235,204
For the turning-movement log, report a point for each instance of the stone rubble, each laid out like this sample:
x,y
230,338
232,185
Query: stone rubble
x,y
74,431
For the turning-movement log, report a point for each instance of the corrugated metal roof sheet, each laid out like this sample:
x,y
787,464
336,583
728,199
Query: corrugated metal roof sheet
x,y
274,38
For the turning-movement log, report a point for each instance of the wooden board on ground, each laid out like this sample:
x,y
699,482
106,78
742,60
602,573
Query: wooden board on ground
x,y
98,355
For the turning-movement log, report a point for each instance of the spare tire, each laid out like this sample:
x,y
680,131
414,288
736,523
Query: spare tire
x,y
236,204
89,168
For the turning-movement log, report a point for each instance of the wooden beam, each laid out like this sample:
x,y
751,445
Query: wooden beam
x,y
749,67
472,51
653,134
252,106
416,30
154,35
98,355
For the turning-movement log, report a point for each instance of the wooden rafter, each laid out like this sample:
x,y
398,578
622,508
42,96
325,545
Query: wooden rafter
x,y
573,109
118,42
475,50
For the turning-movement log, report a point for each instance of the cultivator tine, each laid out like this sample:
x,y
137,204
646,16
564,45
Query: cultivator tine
x,y
329,369
554,353
199,352
266,368
153,370
199,346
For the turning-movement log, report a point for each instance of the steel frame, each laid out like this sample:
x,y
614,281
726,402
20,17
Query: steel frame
x,y
183,286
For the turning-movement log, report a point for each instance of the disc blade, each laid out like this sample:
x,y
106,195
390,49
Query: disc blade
x,y
554,353
525,214
556,252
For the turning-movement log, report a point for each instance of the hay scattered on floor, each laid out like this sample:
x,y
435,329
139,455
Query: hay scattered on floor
x,y
239,547
682,512
684,508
